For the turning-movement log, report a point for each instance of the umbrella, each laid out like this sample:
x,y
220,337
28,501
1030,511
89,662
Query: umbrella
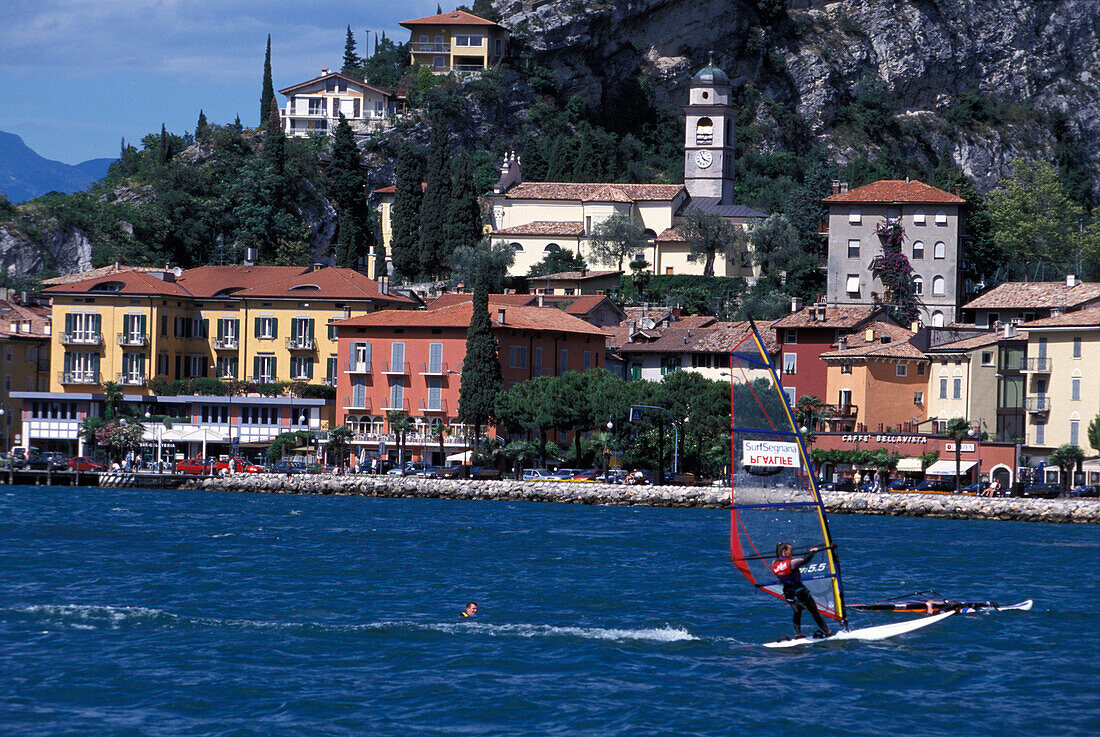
x,y
204,434
460,457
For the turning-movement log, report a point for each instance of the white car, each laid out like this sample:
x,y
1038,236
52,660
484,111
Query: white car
x,y
536,474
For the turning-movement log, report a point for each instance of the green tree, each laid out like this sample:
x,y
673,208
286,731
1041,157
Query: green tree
x,y
486,263
616,238
405,214
958,430
434,249
708,235
202,129
482,379
112,400
1068,458
439,432
775,244
346,188
463,221
529,406
338,443
352,64
1094,433
274,145
267,95
400,426
1033,219
557,261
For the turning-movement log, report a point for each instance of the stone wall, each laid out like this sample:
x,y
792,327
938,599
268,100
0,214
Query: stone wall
x,y
896,504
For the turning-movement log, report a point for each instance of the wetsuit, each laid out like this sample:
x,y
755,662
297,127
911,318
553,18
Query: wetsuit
x,y
787,570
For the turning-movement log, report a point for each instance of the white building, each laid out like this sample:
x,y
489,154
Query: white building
x,y
314,107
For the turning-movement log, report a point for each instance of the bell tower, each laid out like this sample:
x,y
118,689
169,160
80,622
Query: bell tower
x,y
708,136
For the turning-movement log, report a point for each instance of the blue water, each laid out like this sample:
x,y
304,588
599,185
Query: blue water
x,y
127,612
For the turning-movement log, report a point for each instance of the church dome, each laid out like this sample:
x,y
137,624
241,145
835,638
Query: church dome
x,y
711,75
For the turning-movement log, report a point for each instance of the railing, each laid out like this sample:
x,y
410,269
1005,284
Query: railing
x,y
387,408
426,406
133,339
131,380
78,377
431,48
427,369
840,412
1037,404
353,403
81,339
359,367
262,379
300,343
388,367
329,381
468,68
1036,365
230,343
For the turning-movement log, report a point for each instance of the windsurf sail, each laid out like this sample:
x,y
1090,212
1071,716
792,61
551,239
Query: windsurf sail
x,y
774,496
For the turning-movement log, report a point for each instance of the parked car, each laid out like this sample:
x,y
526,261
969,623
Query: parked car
x,y
589,475
193,466
902,484
536,474
84,463
1090,492
934,485
417,468
562,474
58,461
288,467
976,488
838,485
36,463
447,472
240,465
1042,491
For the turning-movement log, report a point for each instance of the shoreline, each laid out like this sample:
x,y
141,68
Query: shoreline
x,y
908,504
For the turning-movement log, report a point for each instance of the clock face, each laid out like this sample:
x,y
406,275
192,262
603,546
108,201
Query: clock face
x,y
703,159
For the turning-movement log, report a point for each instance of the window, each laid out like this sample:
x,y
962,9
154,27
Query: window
x,y
267,328
587,364
263,368
397,356
790,363
987,358
939,250
852,286
563,362
469,40
943,387
1075,389
704,132
919,217
1076,347
538,361
439,62
845,368
435,393
855,217
82,327
845,397
330,370
435,358
1040,431
1074,432
918,250
941,217
517,356
853,248
9,354
918,398
920,369
918,285
164,325
670,364
397,395
789,391
956,388
901,370
162,364
228,367
790,336
196,365
938,286
301,368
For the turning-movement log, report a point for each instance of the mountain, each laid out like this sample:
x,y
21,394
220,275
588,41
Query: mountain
x,y
24,174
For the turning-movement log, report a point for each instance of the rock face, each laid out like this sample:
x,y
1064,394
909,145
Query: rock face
x,y
813,53
66,248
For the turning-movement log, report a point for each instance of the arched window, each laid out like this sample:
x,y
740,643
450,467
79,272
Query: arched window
x,y
941,217
937,319
918,285
516,246
551,247
650,235
704,132
1075,386
918,249
939,250
938,285
919,217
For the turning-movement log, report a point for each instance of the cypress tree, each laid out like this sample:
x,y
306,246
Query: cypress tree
x,y
405,214
351,58
275,141
438,9
237,123
346,188
267,96
534,163
482,380
380,267
435,251
463,225
202,128
164,146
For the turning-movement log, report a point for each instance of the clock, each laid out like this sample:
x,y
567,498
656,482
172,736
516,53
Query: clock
x,y
703,159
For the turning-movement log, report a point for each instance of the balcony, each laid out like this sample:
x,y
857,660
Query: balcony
x,y
388,401
262,379
327,381
399,369
359,367
301,343
1037,405
230,343
86,338
1036,365
439,369
431,48
427,407
136,340
840,412
131,379
353,403
78,377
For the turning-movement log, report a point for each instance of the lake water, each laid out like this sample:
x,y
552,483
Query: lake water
x,y
130,612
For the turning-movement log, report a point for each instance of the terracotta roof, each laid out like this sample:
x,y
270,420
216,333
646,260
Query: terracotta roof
x,y
584,304
517,317
899,345
358,83
966,344
1025,295
392,189
586,192
727,336
672,234
835,317
897,190
712,337
96,274
10,312
121,282
543,227
575,275
1087,318
455,18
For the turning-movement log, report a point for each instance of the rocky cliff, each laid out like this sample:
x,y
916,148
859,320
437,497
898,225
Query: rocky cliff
x,y
986,81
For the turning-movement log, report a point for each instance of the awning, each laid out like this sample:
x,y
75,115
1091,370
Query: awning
x,y
909,465
463,457
947,468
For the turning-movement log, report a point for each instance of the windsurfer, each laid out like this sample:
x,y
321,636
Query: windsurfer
x,y
787,570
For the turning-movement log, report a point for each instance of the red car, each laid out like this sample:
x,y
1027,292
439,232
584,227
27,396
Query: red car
x,y
84,463
240,465
193,465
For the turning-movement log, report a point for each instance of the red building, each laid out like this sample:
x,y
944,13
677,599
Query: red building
x,y
412,361
804,335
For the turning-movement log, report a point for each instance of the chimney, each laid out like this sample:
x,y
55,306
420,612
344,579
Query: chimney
x,y
869,335
1010,331
842,342
1056,311
844,188
542,300
317,266
914,326
958,191
384,285
500,316
116,267
836,186
324,71
1071,281
250,256
907,180
796,304
347,312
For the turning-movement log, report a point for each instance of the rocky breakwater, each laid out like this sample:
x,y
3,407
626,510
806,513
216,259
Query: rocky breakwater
x,y
706,497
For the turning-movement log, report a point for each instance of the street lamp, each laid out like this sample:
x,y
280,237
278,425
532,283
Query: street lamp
x,y
607,451
3,428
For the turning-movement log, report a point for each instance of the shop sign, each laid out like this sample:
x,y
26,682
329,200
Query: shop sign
x,y
965,448
857,438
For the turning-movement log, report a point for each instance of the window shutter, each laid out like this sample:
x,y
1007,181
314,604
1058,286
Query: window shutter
x,y
68,357
96,322
68,326
330,368
351,355
309,368
256,366
95,363
141,363
143,323
366,353
221,329
258,328
205,367
309,328
274,327
205,327
294,330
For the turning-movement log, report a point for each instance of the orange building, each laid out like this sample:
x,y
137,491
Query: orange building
x,y
876,380
412,362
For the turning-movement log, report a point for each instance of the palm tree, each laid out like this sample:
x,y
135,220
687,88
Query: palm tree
x,y
439,429
958,430
400,425
1067,457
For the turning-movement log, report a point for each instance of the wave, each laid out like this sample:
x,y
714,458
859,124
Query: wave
x,y
651,634
85,616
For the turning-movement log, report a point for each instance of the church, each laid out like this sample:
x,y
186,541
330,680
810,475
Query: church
x,y
535,218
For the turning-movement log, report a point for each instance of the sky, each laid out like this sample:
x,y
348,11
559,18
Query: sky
x,y
78,76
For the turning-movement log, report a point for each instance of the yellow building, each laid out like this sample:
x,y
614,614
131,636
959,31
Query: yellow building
x,y
252,324
962,382
456,42
24,363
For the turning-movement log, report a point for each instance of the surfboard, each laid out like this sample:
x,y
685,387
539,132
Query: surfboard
x,y
878,632
1023,606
